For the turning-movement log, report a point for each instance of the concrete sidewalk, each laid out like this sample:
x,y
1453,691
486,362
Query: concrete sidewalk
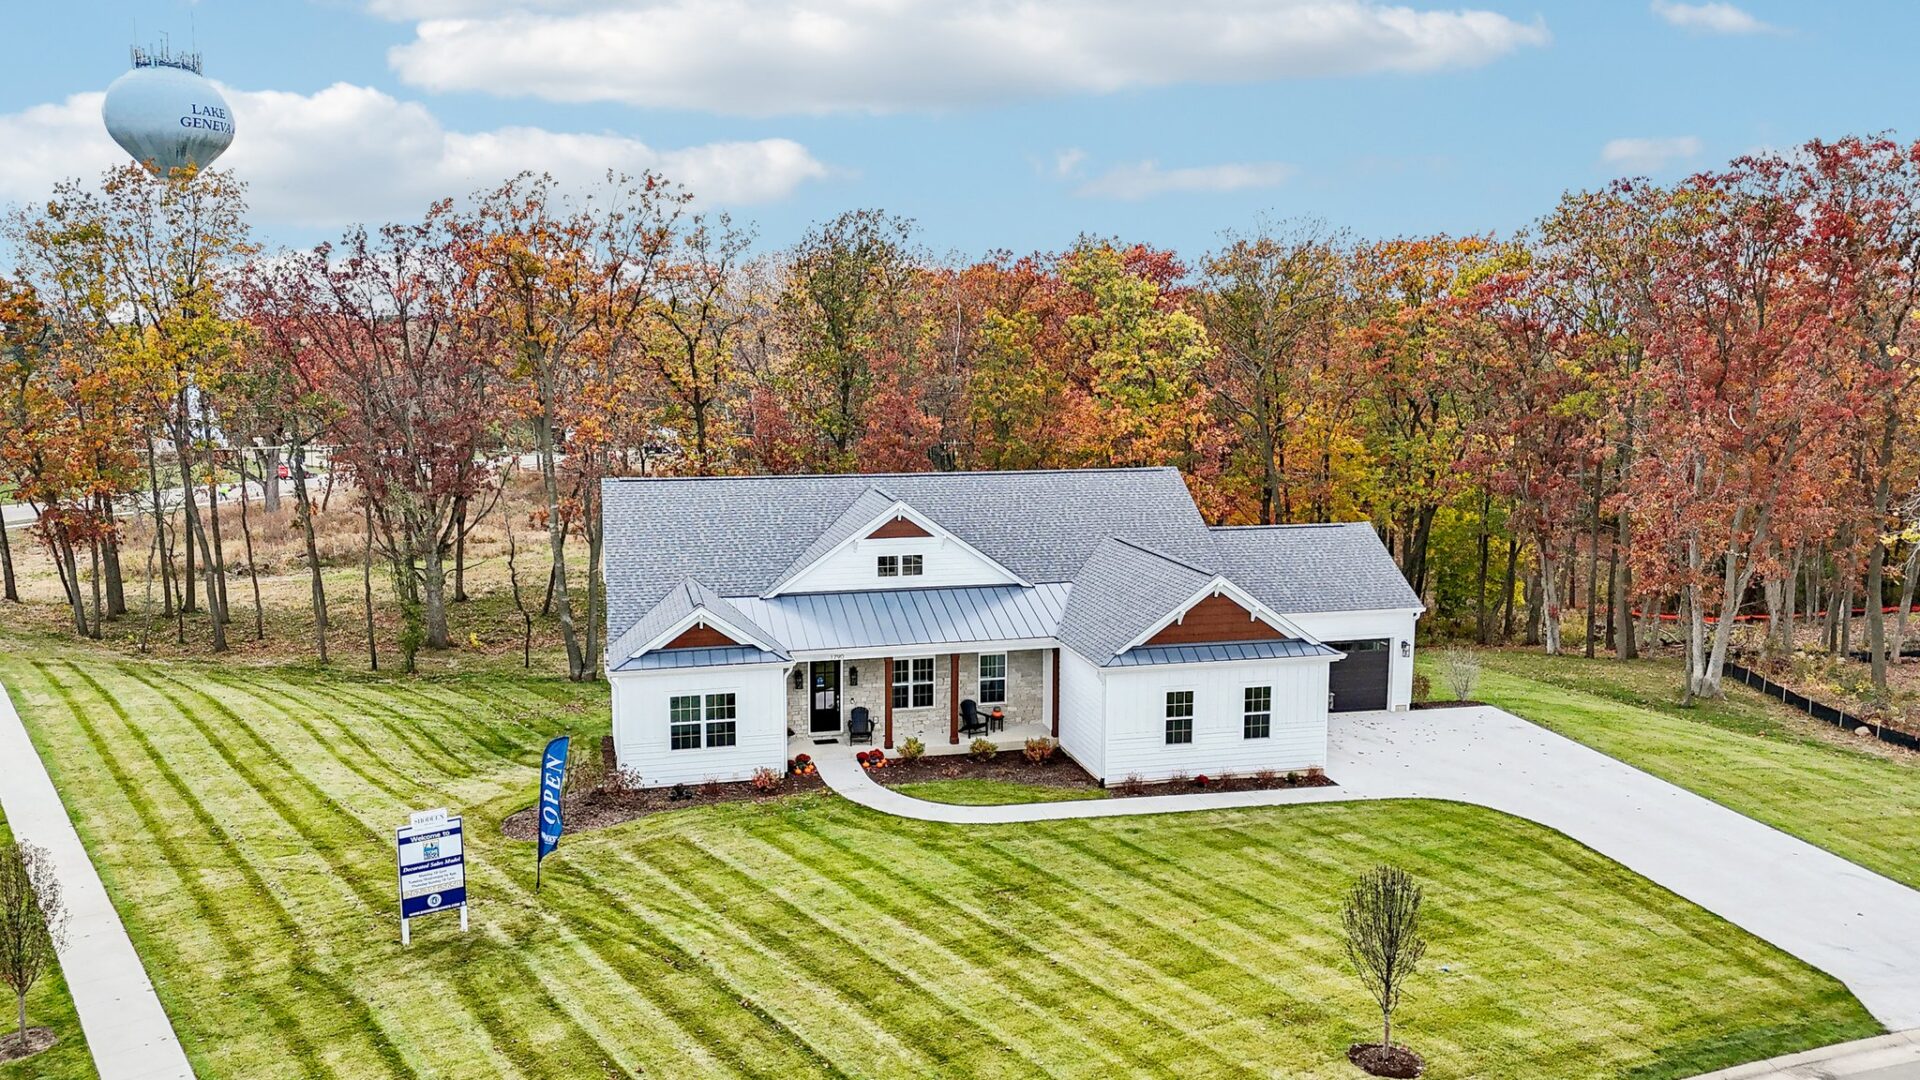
x,y
1889,1057
127,1031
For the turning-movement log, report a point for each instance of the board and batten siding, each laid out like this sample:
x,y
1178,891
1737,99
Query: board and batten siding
x,y
640,723
855,567
1136,719
1083,704
1394,625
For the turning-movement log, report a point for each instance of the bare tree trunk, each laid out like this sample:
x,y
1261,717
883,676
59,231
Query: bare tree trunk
x,y
270,478
557,541
165,549
435,574
594,548
109,545
1593,571
190,512
9,588
1550,603
519,602
1506,595
460,550
1535,606
1907,570
1628,642
1482,629
253,572
366,582
218,562
303,506
93,549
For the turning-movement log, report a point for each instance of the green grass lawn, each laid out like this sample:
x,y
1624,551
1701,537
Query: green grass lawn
x,y
47,1006
1745,751
993,792
242,819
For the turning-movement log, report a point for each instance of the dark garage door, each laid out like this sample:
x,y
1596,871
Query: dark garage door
x,y
1359,681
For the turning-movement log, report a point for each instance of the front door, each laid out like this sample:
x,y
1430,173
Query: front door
x,y
824,678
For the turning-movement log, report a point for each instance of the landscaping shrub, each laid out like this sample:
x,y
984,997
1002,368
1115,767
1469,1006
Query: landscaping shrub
x,y
912,749
711,789
1132,785
1180,776
765,779
983,749
1422,687
1039,751
949,772
1266,778
1461,669
1293,777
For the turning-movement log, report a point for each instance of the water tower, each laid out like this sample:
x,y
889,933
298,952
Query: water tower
x,y
166,114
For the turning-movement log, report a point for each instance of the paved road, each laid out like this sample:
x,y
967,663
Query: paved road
x,y
126,1029
1860,927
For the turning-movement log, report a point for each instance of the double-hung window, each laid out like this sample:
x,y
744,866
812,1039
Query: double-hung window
x,y
688,713
1179,716
1257,713
913,682
683,722
993,678
721,712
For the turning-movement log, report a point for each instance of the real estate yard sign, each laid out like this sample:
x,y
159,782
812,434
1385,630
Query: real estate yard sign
x,y
433,868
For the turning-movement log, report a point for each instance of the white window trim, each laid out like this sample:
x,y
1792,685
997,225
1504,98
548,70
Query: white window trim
x,y
881,564
1193,718
704,720
1005,677
932,682
1244,712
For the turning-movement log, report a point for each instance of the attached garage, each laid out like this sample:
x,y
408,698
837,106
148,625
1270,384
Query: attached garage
x,y
1360,681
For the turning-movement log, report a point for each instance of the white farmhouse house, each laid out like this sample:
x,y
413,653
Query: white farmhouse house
x,y
752,617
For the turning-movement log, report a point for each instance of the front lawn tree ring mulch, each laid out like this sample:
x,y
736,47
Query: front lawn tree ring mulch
x,y
1394,1061
38,1039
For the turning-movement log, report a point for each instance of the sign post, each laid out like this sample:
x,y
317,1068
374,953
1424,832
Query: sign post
x,y
553,784
433,868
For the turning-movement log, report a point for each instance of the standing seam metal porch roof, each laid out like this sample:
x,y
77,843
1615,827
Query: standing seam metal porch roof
x,y
908,617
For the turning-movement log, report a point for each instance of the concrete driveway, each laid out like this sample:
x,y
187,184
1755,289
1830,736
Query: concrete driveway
x,y
1854,924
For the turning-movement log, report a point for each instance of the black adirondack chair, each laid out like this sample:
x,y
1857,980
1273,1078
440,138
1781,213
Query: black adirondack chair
x,y
971,722
860,726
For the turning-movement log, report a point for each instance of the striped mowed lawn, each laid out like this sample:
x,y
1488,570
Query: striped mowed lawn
x,y
242,821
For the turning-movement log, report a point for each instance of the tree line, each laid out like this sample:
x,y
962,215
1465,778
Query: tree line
x,y
1683,402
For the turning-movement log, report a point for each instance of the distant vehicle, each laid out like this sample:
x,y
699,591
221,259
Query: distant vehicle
x,y
285,473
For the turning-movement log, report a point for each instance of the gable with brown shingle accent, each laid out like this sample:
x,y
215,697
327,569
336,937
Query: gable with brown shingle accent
x,y
700,637
1217,618
898,529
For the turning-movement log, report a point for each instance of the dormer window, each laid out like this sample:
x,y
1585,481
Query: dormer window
x,y
902,565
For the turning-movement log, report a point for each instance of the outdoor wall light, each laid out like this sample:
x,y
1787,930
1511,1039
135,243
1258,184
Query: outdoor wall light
x,y
1406,649
853,676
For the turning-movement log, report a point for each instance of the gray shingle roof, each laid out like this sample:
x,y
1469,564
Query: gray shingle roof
x,y
680,601
858,620
740,534
1314,567
1123,589
1129,541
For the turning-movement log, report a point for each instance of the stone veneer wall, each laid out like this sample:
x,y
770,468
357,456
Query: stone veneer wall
x,y
1026,696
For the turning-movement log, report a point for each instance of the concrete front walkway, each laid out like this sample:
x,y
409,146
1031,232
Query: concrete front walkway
x,y
126,1029
1847,921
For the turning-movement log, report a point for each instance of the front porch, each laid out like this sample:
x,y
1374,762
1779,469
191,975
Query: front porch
x,y
923,697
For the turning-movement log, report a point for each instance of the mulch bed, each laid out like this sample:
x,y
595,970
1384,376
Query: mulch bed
x,y
1236,782
589,810
38,1039
1394,1061
1009,765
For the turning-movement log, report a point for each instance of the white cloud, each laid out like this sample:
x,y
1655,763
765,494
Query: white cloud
x,y
1067,162
1649,155
763,57
1145,179
1711,18
352,153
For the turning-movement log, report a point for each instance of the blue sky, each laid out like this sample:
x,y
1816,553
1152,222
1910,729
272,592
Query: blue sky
x,y
993,125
